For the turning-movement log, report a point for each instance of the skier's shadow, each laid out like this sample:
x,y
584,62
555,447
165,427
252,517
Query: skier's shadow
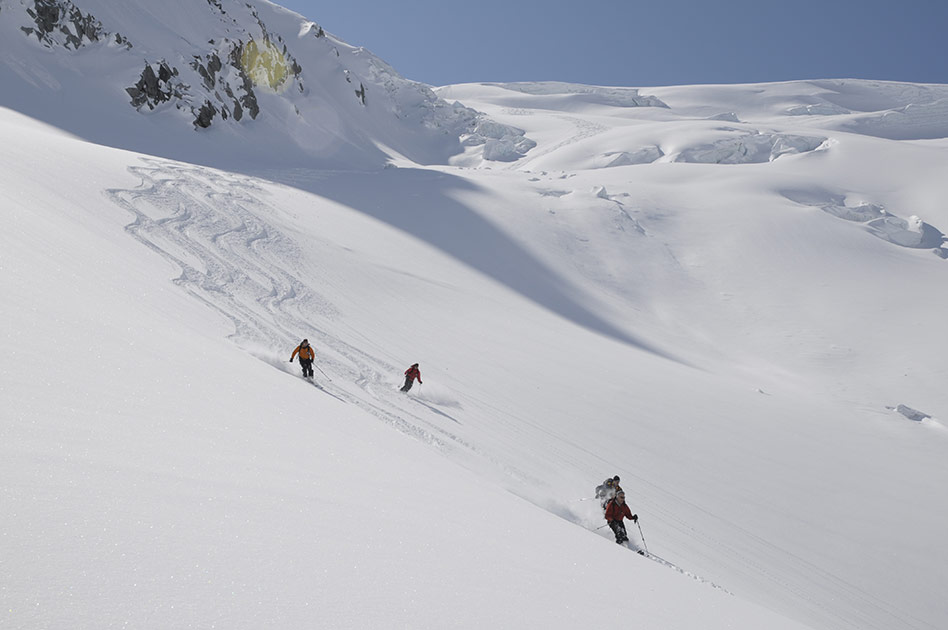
x,y
437,411
326,391
280,366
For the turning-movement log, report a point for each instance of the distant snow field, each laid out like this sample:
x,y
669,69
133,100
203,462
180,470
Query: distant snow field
x,y
733,297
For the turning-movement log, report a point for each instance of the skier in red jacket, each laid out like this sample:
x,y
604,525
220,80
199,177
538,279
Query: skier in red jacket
x,y
410,375
616,510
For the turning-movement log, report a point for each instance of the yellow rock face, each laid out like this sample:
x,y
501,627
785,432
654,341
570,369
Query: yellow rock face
x,y
265,64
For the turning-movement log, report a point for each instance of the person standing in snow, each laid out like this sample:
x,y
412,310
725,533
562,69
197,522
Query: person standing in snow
x,y
617,510
307,354
410,375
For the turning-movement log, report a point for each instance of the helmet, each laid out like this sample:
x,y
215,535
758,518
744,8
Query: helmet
x,y
616,478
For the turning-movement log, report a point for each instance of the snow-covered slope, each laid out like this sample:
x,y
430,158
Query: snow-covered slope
x,y
731,296
156,475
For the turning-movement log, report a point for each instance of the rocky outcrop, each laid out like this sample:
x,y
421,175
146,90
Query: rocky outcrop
x,y
226,80
205,114
223,88
61,23
158,84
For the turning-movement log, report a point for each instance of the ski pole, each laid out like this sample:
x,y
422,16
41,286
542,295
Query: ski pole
x,y
324,374
600,527
644,544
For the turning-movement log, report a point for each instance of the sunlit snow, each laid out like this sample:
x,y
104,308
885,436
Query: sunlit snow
x,y
731,296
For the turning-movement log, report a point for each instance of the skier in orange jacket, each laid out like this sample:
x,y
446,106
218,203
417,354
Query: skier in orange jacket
x,y
307,354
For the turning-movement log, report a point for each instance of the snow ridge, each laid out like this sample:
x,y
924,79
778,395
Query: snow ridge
x,y
241,59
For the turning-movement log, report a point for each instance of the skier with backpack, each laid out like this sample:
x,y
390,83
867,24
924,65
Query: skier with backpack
x,y
608,490
410,375
307,355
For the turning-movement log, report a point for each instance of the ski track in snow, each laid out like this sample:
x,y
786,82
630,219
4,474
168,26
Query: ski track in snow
x,y
584,129
811,587
814,588
675,567
211,225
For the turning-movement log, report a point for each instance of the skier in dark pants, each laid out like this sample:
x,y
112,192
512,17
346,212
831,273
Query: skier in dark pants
x,y
615,512
307,354
410,375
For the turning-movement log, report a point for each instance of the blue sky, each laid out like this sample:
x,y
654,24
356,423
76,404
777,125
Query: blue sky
x,y
637,43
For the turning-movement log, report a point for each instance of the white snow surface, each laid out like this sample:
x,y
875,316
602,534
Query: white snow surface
x,y
730,296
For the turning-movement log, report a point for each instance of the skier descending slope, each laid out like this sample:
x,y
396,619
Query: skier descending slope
x,y
616,510
307,354
410,375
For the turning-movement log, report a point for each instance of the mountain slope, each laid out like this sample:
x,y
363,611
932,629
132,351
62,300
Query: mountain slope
x,y
157,475
226,83
723,293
